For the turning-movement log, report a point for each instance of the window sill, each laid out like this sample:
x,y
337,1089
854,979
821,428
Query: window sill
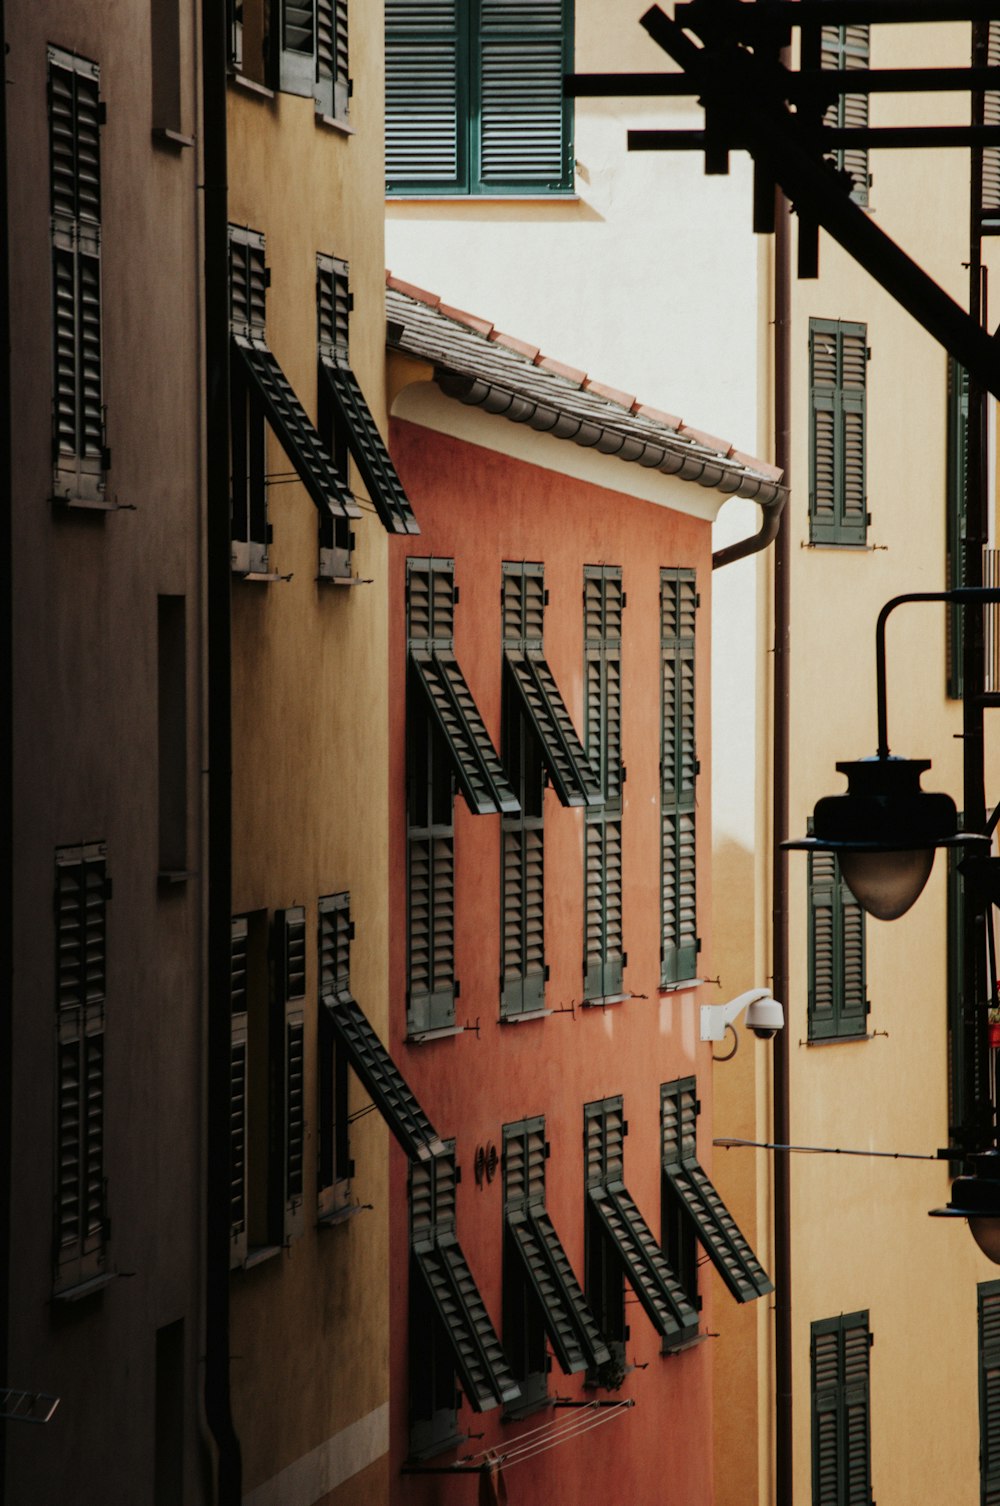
x,y
674,988
84,504
168,877
557,196
260,1255
839,1040
422,1036
681,1345
331,123
341,1215
602,1002
259,577
518,1414
346,580
251,86
445,1445
87,1288
527,1014
174,141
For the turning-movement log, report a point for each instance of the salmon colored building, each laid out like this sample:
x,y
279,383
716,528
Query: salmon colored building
x,y
550,862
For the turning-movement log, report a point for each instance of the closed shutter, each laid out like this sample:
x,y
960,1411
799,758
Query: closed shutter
x,y
838,379
290,935
80,1234
847,47
678,775
426,95
841,1423
989,1392
991,154
474,97
957,502
838,1003
75,118
522,919
604,956
238,989
520,123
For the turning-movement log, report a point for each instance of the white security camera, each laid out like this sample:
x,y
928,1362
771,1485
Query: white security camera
x,y
765,1016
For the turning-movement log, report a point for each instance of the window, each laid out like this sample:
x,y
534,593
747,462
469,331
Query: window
x,y
298,46
957,502
267,1103
260,391
474,96
678,774
847,48
693,1208
604,958
838,359
446,742
991,154
346,421
619,1241
81,1221
541,1293
76,115
538,738
838,1005
446,1311
989,1392
841,1440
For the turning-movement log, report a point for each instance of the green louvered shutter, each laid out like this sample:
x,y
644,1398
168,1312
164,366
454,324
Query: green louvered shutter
x,y
841,1420
238,990
520,122
332,85
957,502
847,47
989,1392
80,1234
991,154
76,114
426,95
678,774
604,955
838,1004
290,936
838,358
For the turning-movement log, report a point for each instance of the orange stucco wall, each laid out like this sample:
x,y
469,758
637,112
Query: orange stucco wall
x,y
481,507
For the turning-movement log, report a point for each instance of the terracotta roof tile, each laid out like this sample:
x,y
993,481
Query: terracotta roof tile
x,y
763,466
559,368
511,342
711,441
471,321
611,394
421,295
657,415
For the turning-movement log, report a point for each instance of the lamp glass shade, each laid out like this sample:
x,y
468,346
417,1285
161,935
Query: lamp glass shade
x,y
986,1233
886,883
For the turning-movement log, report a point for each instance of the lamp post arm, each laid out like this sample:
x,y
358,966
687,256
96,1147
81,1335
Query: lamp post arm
x,y
961,595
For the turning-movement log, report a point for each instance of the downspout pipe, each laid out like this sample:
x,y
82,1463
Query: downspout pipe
x,y
6,758
770,523
782,1262
217,1399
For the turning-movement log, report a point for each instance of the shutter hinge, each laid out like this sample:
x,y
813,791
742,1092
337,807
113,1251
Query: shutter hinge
x,y
868,349
351,542
106,458
545,597
697,598
350,930
697,1106
350,88
545,973
350,1169
624,600
624,1126
107,888
548,1150
454,595
267,277
697,945
697,765
350,303
269,533
102,112
458,1175
457,990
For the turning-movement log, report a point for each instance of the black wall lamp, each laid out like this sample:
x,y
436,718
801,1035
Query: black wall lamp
x,y
885,831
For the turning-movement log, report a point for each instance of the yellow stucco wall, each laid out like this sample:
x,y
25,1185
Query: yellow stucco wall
x,y
309,1326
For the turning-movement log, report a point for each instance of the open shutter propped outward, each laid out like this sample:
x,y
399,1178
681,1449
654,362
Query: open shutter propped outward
x,y
714,1225
645,1266
569,1323
437,1256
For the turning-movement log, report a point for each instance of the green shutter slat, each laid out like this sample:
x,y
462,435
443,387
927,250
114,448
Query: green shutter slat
x,y
991,116
854,1004
838,1002
294,430
988,1297
562,751
837,485
426,92
522,917
382,1078
370,454
841,1427
431,932
449,703
713,1223
847,47
678,773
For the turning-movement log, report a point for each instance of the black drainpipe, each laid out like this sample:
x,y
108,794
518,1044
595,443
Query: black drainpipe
x,y
218,1411
6,758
